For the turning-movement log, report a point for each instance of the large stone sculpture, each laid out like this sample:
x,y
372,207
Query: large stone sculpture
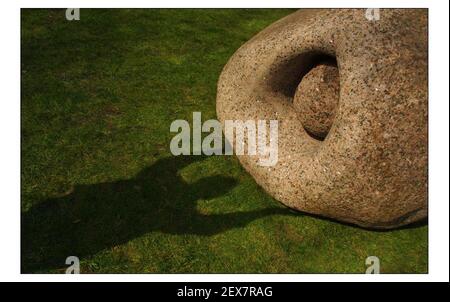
x,y
350,95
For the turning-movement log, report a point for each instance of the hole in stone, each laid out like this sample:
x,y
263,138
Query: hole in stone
x,y
286,77
311,81
317,96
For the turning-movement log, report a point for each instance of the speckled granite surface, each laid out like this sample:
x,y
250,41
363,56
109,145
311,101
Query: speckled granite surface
x,y
371,168
317,98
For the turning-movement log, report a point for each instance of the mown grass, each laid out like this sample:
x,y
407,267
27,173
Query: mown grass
x,y
98,179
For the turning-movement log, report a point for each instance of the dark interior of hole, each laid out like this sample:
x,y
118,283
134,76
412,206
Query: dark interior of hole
x,y
316,137
288,75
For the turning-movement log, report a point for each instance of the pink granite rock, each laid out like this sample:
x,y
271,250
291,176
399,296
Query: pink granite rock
x,y
352,137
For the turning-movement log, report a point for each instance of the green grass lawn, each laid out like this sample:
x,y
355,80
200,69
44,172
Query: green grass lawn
x,y
98,180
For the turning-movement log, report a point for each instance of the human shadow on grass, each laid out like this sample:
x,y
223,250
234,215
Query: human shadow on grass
x,y
101,216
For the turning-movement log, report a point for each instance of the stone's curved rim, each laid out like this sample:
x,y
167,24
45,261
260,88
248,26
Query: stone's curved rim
x,y
342,176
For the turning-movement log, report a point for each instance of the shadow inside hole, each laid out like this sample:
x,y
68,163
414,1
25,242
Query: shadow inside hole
x,y
287,76
314,136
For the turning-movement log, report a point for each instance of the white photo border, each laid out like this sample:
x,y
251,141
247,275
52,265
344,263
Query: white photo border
x,y
438,140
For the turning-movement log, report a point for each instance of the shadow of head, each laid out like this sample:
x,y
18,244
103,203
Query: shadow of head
x,y
213,186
